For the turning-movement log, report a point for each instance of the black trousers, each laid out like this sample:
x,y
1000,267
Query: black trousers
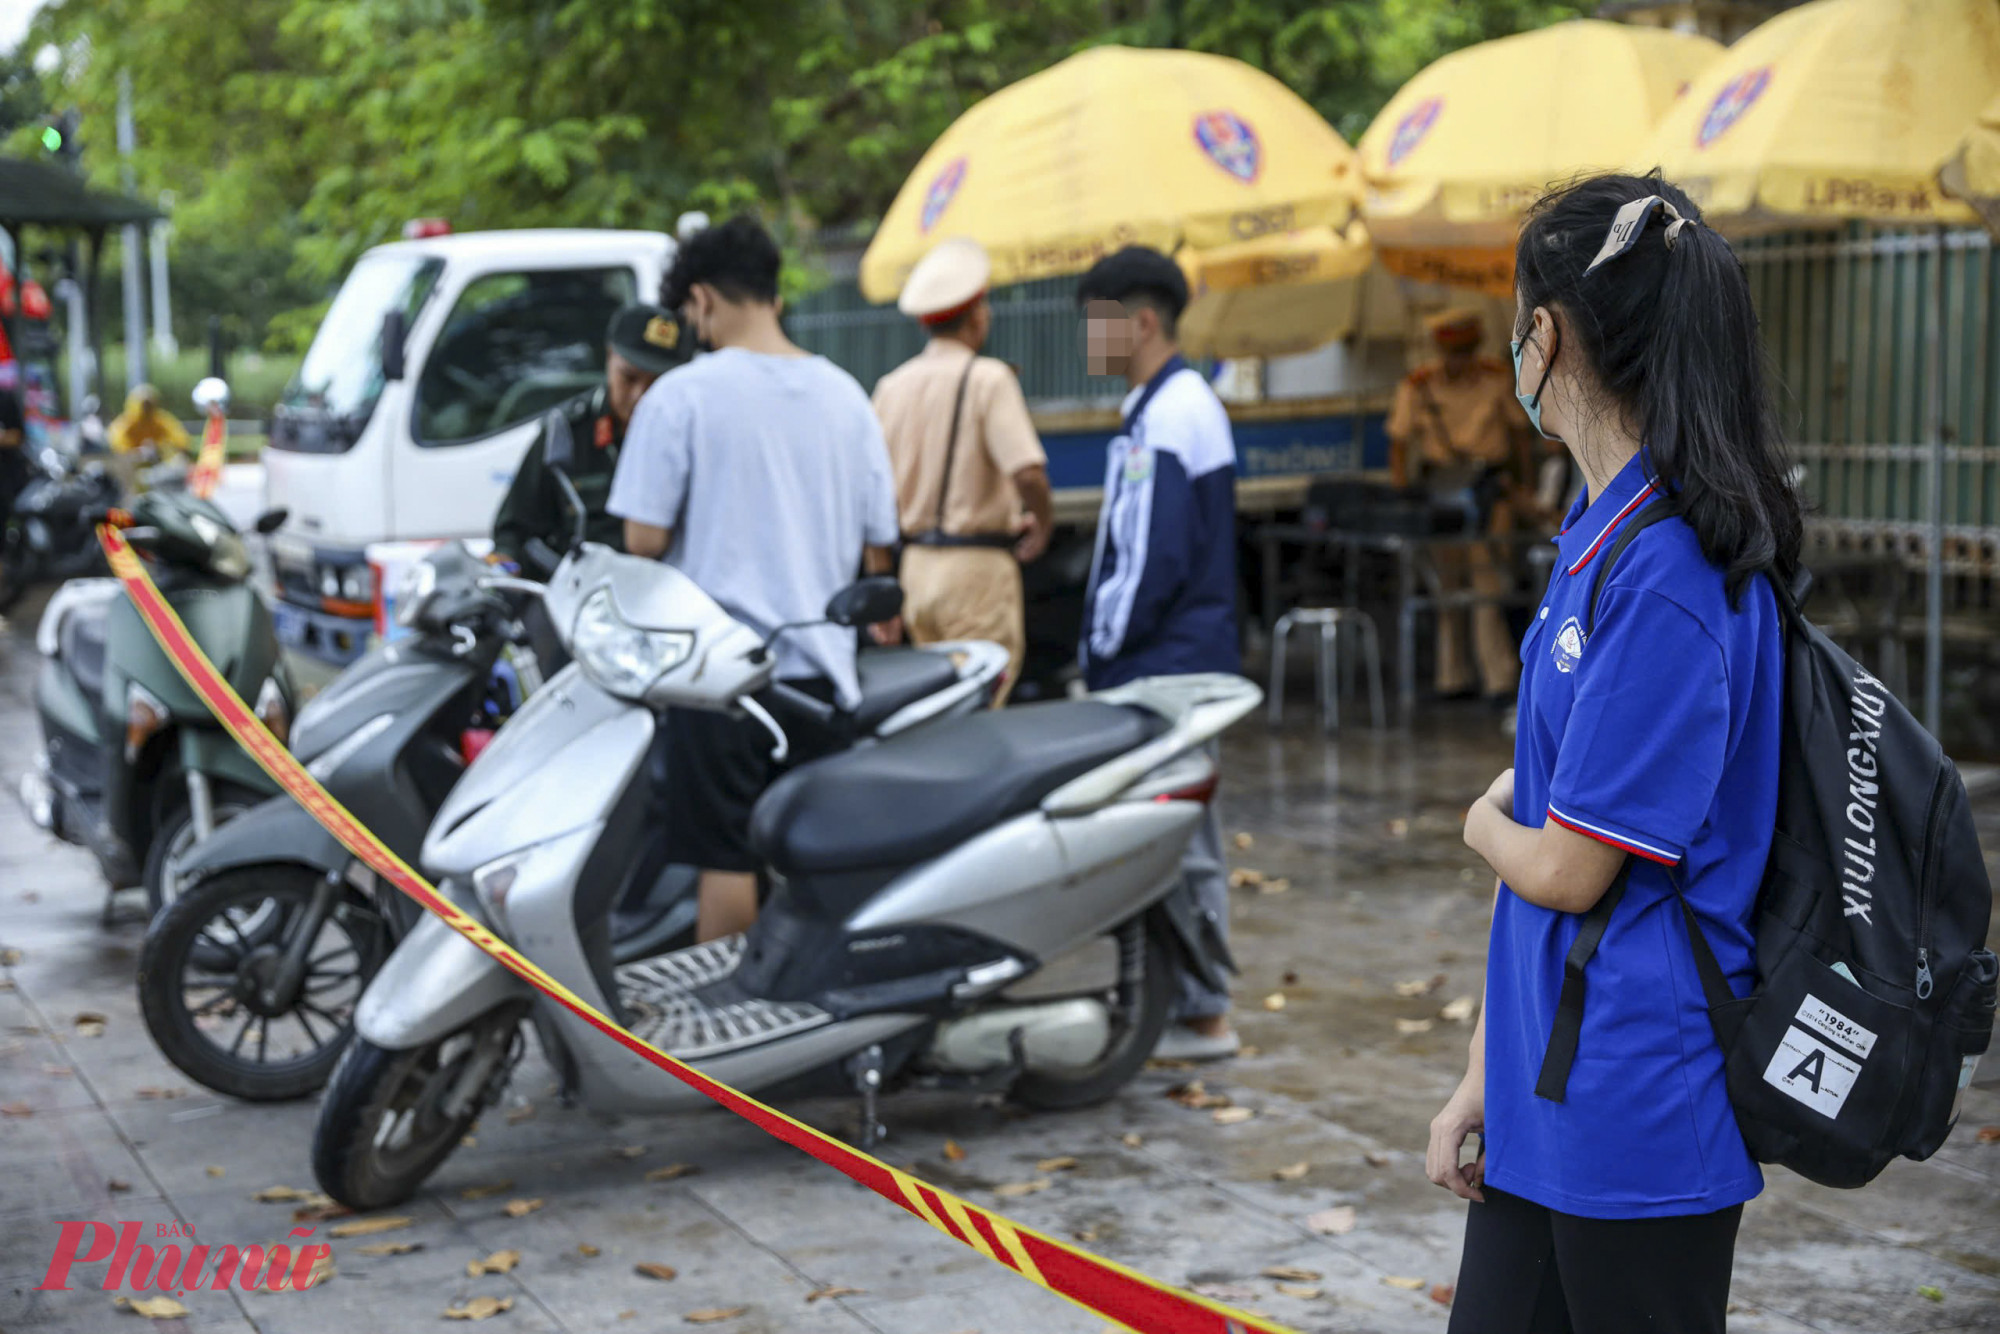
x,y
1530,1270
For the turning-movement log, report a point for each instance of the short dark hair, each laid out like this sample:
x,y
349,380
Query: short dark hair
x,y
1669,331
955,324
738,258
1138,275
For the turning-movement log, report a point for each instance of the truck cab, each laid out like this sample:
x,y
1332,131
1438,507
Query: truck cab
x,y
424,386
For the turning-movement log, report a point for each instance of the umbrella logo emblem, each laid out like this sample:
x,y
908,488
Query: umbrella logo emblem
x,y
1230,143
1412,128
1736,97
943,188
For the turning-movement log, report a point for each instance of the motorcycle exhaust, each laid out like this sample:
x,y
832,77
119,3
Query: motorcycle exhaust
x,y
1056,1035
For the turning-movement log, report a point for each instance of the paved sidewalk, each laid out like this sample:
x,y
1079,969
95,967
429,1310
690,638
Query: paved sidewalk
x,y
1380,891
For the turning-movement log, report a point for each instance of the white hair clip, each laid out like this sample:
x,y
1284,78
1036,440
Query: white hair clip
x,y
1630,224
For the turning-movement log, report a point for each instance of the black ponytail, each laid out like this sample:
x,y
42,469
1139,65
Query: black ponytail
x,y
1670,335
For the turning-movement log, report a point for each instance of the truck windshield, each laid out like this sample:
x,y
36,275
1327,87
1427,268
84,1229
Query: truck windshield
x,y
341,377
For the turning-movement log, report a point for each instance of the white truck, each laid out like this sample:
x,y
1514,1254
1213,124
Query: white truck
x,y
421,391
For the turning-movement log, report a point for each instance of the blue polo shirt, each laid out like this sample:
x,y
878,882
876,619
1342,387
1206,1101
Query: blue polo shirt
x,y
1659,735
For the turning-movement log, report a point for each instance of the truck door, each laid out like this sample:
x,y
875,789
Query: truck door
x,y
515,344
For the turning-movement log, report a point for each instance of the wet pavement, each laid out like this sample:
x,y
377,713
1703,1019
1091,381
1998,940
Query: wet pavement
x,y
1376,890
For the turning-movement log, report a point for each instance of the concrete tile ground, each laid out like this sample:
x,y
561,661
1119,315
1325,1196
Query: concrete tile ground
x,y
1381,890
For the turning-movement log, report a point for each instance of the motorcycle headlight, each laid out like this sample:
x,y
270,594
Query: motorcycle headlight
x,y
621,657
145,715
272,711
227,555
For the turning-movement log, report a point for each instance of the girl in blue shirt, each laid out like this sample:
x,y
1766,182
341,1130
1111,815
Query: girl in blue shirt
x,y
1648,749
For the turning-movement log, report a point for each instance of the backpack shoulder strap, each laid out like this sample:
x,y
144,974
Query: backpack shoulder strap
x,y
1648,515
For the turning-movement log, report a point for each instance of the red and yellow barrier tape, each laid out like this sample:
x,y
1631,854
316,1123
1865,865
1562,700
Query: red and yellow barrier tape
x,y
1109,1289
207,470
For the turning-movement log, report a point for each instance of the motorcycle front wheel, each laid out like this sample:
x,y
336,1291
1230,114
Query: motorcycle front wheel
x,y
390,1118
211,984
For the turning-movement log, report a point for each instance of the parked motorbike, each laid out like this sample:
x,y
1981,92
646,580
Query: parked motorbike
x,y
134,767
53,532
992,902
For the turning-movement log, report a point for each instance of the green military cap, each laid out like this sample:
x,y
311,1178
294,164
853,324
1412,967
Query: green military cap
x,y
652,339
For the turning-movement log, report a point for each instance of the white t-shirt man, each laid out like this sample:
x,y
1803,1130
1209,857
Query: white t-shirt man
x,y
771,473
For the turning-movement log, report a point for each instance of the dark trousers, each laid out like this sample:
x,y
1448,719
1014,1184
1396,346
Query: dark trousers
x,y
1530,1270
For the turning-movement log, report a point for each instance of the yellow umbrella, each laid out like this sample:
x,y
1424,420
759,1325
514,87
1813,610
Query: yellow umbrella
x,y
1973,172
1279,294
1462,149
1837,109
1115,147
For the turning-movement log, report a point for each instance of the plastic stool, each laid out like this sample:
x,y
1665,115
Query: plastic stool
x,y
1329,621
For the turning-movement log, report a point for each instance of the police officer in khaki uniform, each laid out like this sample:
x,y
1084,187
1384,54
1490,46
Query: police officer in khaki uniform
x,y
972,483
1456,429
533,526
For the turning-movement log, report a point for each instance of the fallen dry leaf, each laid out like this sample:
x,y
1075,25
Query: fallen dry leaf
x,y
520,1114
282,1195
1225,1292
500,1262
954,1152
1233,1116
1442,1293
8,958
588,1251
479,1308
366,1227
1168,1063
1014,1190
1293,1172
318,1208
628,1315
1989,1135
1245,878
153,1308
1196,1095
389,1248
1376,1159
522,1208
1062,1164
1246,1050
1243,842
1335,1222
1293,1274
215,1171
1406,1284
670,1171
628,1151
1458,1011
1398,828
90,1030
468,1142
321,1271
150,1093
1420,986
833,1290
16,1109
1088,1234
1277,885
116,1187
490,1188
651,1269
713,1314
1412,1026
58,1071
1304,1292
1275,1001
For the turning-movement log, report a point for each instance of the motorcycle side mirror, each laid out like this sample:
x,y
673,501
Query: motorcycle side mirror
x,y
395,329
866,601
558,445
211,395
270,521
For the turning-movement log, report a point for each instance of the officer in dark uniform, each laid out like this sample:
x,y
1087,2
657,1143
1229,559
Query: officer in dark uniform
x,y
534,524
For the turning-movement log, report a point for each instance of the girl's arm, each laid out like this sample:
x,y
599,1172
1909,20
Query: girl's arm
x,y
1551,867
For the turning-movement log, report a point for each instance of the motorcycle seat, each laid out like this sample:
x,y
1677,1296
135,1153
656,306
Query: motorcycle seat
x,y
80,645
892,678
919,794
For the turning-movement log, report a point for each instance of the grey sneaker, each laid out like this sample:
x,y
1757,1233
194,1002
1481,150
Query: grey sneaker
x,y
1181,1043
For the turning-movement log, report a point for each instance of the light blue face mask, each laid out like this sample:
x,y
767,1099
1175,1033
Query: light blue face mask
x,y
1532,403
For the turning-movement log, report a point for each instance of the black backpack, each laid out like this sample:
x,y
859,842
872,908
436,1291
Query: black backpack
x,y
1874,995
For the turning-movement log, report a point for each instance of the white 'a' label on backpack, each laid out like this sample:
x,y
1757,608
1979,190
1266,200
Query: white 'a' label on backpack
x,y
1819,1073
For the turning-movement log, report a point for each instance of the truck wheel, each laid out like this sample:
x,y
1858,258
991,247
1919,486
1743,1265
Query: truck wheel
x,y
389,1117
1139,1012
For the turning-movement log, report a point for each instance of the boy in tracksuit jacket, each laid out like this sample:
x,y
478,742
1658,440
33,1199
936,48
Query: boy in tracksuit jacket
x,y
1162,594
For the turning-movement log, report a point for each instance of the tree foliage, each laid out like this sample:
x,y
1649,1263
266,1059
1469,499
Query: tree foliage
x,y
313,129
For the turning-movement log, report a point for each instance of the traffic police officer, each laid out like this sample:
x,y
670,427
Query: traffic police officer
x,y
534,525
972,483
1456,430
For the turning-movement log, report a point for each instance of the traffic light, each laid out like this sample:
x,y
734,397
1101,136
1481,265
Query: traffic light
x,y
61,139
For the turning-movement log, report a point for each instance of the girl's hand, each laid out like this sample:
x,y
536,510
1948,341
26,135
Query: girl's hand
x,y
1464,1114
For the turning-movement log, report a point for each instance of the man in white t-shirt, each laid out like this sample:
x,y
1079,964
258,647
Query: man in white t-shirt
x,y
758,471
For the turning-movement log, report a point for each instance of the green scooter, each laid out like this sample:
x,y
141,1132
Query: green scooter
x,y
134,767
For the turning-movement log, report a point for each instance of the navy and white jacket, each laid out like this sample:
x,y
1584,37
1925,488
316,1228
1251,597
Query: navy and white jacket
x,y
1162,596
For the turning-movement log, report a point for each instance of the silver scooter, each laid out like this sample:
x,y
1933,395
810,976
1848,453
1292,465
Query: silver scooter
x,y
993,902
